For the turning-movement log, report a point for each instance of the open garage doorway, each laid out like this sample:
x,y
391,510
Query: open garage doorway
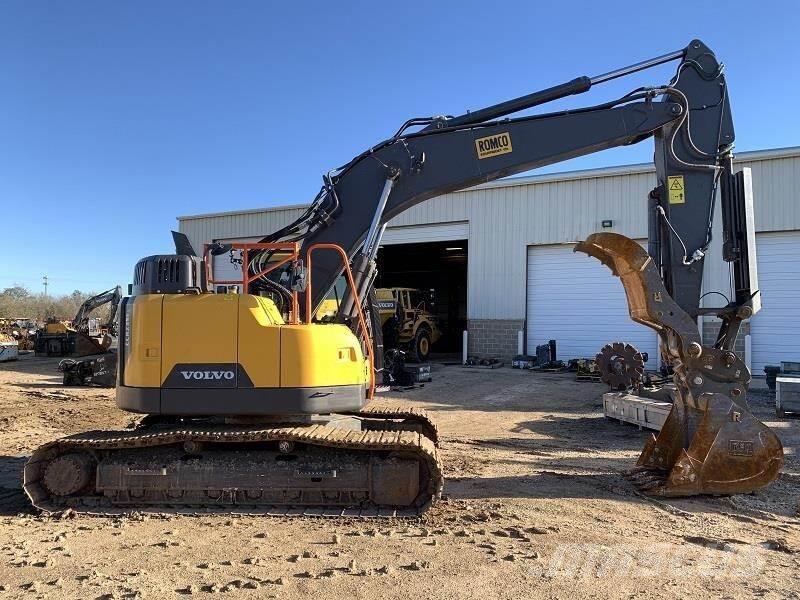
x,y
439,271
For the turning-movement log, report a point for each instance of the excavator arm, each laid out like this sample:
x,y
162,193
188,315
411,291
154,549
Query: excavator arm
x,y
711,443
112,296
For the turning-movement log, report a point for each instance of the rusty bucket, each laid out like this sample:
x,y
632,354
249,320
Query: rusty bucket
x,y
710,443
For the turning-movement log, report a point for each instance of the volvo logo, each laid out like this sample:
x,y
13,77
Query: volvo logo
x,y
207,376
213,375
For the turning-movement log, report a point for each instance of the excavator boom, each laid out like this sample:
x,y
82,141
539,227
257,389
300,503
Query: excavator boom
x,y
711,443
112,296
87,344
689,117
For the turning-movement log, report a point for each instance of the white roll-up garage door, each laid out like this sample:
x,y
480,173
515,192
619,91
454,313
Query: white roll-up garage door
x,y
775,330
415,234
575,300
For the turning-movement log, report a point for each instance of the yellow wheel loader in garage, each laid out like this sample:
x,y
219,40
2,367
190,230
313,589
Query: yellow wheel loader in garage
x,y
406,322
251,406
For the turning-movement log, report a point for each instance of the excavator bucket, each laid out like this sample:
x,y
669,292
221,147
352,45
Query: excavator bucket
x,y
715,447
710,443
86,345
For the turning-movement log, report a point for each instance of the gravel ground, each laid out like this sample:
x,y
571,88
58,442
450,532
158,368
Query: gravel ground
x,y
535,506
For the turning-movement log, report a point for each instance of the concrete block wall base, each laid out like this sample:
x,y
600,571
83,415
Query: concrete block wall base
x,y
494,338
710,328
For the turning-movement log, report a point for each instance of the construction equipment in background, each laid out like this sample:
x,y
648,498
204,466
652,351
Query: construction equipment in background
x,y
399,375
9,348
83,336
55,338
406,322
585,369
547,358
326,313
251,406
98,371
95,336
22,330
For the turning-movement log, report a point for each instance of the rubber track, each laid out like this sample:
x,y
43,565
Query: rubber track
x,y
405,412
317,435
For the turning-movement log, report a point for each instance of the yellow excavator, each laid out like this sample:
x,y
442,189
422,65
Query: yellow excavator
x,y
251,406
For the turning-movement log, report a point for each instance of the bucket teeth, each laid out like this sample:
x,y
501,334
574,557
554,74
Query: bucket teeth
x,y
636,471
647,480
643,474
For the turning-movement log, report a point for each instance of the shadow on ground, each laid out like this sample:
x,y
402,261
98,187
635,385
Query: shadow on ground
x,y
778,499
12,498
501,390
54,384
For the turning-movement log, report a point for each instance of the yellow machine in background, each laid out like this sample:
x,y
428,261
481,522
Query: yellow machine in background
x,y
21,330
54,327
326,313
83,336
406,321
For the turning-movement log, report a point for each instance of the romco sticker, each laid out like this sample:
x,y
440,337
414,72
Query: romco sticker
x,y
493,145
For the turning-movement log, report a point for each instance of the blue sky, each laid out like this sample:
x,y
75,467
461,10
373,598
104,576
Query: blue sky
x,y
116,117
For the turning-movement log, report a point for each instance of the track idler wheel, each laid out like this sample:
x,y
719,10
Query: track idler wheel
x,y
68,474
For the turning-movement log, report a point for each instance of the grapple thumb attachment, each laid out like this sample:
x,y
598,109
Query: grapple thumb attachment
x,y
710,443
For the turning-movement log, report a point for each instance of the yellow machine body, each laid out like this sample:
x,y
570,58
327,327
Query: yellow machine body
x,y
232,354
56,327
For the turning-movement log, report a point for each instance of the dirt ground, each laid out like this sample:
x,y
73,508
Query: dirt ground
x,y
535,506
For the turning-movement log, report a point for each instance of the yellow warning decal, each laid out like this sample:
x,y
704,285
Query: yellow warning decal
x,y
676,189
493,145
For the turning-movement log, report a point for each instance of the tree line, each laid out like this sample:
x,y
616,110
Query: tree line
x,y
18,302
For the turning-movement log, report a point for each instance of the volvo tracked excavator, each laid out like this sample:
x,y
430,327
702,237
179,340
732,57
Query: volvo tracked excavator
x,y
252,406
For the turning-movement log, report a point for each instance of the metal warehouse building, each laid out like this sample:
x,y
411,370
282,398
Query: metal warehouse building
x,y
499,257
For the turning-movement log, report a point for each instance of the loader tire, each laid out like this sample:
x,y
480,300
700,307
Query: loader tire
x,y
421,345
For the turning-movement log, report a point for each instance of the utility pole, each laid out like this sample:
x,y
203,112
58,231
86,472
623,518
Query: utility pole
x,y
44,281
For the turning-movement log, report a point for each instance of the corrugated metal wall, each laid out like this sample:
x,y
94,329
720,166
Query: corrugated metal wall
x,y
204,229
507,217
